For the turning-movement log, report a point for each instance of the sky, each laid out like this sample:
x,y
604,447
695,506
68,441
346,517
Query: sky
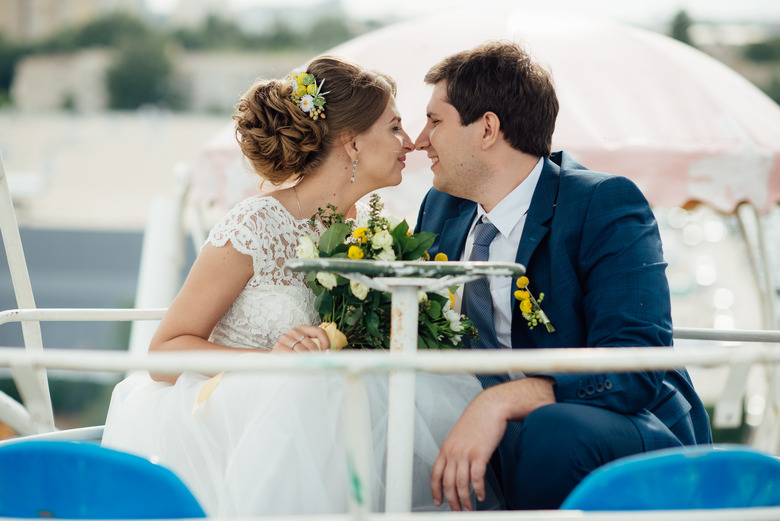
x,y
642,12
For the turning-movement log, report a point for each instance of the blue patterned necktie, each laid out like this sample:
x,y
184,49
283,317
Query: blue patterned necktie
x,y
477,301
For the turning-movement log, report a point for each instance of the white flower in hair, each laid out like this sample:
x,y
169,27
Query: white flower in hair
x,y
307,103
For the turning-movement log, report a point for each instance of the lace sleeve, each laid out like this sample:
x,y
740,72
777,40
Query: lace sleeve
x,y
242,227
263,229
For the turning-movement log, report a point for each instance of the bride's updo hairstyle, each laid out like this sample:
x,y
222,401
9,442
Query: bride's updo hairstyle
x,y
281,141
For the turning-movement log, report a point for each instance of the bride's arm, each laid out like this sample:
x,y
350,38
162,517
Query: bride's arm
x,y
218,275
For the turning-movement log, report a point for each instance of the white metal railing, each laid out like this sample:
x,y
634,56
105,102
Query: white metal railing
x,y
356,364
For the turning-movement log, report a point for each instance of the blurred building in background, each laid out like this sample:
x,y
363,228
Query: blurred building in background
x,y
26,20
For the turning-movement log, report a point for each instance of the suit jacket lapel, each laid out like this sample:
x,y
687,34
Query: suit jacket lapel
x,y
540,212
455,230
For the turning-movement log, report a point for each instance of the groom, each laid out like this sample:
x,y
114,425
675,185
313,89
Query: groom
x,y
589,242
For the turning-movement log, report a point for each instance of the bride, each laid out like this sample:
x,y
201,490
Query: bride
x,y
275,443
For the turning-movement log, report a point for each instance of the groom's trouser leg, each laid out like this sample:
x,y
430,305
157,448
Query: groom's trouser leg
x,y
545,456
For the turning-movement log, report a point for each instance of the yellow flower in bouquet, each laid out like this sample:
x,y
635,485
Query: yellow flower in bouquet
x,y
363,314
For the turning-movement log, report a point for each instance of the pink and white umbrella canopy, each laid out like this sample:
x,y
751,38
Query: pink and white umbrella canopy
x,y
683,126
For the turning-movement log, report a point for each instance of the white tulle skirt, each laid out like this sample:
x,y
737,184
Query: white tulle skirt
x,y
264,444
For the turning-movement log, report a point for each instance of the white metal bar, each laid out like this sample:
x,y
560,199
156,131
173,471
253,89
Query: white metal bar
x,y
619,359
727,335
80,315
15,415
162,257
35,394
728,408
127,314
400,417
726,514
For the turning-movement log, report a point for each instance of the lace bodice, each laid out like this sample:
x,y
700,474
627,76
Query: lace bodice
x,y
275,299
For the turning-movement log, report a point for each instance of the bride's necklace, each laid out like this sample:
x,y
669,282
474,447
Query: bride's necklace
x,y
298,201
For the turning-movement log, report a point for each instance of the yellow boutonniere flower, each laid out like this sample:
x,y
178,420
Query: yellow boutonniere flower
x,y
530,307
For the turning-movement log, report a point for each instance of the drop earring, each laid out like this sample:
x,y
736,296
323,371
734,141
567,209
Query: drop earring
x,y
354,167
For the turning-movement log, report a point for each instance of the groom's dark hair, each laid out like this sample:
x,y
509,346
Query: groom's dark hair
x,y
500,77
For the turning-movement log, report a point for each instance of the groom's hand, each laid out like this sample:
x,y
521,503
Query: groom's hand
x,y
465,453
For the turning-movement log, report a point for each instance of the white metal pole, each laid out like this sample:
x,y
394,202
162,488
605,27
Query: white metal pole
x,y
400,419
35,392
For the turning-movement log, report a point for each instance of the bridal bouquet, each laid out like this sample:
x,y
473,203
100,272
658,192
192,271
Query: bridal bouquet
x,y
361,313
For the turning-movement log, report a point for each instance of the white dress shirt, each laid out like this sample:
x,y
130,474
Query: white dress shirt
x,y
509,218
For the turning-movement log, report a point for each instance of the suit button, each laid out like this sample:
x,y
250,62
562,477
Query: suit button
x,y
599,388
590,389
608,384
581,393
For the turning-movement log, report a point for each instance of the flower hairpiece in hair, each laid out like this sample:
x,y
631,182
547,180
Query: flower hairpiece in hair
x,y
307,94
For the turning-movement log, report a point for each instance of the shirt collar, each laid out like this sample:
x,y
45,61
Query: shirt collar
x,y
511,209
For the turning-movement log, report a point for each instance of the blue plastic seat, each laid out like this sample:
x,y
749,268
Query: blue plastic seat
x,y
728,476
85,481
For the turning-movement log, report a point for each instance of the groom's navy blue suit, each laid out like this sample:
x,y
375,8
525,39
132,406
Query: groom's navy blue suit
x,y
591,244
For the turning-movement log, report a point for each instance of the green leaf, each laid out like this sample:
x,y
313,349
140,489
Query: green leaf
x,y
324,304
400,230
333,238
353,316
434,309
407,244
372,324
424,241
311,280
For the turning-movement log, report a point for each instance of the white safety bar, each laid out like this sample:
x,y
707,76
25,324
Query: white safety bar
x,y
355,364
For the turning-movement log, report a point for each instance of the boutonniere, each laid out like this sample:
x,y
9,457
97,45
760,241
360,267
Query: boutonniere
x,y
530,307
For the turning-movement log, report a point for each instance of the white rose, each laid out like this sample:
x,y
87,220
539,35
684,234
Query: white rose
x,y
386,254
455,339
358,289
307,249
328,280
421,296
382,240
454,319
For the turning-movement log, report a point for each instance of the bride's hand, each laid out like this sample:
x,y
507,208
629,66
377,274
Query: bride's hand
x,y
300,339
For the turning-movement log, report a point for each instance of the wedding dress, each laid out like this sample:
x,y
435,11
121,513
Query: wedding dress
x,y
272,443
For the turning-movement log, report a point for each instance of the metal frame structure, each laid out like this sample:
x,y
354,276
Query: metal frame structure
x,y
35,419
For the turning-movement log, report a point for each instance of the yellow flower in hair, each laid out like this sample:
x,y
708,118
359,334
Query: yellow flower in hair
x,y
311,89
441,257
299,78
301,91
355,252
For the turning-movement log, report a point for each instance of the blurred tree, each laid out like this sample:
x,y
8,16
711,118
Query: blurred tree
x,y
762,52
773,89
10,54
282,36
141,75
328,32
107,31
681,25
